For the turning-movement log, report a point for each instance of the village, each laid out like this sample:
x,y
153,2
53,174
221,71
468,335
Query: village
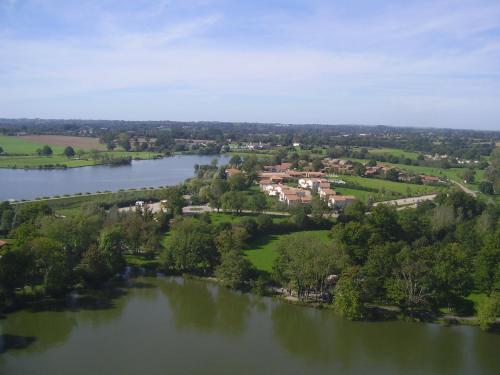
x,y
298,185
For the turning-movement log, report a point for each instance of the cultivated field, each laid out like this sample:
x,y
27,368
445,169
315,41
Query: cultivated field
x,y
84,143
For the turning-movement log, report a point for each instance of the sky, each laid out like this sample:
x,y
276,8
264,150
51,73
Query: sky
x,y
403,63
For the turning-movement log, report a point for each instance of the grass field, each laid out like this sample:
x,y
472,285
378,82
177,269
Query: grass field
x,y
20,145
37,161
387,190
394,151
262,252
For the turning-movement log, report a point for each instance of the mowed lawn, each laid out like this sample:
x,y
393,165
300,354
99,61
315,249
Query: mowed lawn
x,y
36,161
398,187
263,251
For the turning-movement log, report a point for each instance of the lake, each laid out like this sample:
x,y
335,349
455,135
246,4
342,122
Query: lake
x,y
169,325
30,184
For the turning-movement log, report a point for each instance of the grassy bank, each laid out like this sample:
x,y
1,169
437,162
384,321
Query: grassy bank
x,y
61,161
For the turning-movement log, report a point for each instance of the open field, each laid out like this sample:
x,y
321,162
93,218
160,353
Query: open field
x,y
387,190
84,143
21,145
392,186
393,151
40,161
263,251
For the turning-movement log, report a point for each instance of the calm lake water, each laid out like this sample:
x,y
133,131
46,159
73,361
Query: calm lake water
x,y
30,184
177,326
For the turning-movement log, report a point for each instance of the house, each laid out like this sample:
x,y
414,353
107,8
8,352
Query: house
x,y
231,172
340,201
283,167
313,183
339,166
429,179
3,244
291,195
326,193
372,171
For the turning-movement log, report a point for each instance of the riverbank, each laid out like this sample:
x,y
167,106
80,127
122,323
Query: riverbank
x,y
63,162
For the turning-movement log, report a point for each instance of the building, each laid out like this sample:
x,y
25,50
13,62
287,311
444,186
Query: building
x,y
283,167
231,172
340,201
3,244
313,183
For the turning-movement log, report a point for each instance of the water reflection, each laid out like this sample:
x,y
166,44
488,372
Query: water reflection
x,y
203,306
191,326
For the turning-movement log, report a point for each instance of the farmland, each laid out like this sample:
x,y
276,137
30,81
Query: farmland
x,y
20,152
23,146
84,143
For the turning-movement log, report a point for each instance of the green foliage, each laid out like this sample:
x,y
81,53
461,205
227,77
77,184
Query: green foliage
x,y
348,299
486,187
69,152
304,264
488,310
191,247
234,269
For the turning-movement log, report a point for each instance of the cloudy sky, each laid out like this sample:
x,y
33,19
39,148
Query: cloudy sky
x,y
408,63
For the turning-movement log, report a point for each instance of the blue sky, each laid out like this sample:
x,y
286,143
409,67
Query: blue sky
x,y
408,63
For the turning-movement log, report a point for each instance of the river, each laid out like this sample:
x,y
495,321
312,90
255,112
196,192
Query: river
x,y
30,184
180,326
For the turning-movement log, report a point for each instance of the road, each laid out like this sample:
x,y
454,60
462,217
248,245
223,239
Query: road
x,y
465,189
192,210
408,201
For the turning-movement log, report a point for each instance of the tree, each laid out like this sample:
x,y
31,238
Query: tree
x,y
217,188
234,269
235,161
488,309
124,141
452,275
486,187
1,150
468,175
304,263
238,182
317,164
69,152
53,263
410,286
487,263
191,247
348,294
392,174
175,201
233,201
257,202
264,223
44,151
493,171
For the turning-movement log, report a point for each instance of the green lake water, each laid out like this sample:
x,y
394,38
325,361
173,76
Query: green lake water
x,y
180,326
